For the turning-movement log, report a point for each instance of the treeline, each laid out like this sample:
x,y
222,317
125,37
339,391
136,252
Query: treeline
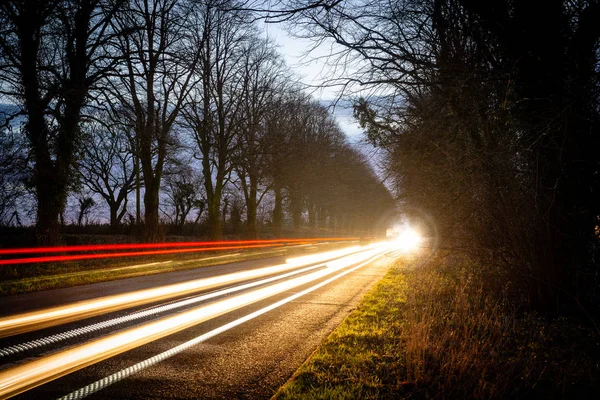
x,y
489,114
181,102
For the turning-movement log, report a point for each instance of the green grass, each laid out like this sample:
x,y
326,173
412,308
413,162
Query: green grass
x,y
434,332
35,277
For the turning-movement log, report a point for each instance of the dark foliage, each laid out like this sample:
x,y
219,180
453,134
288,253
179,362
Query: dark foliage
x,y
488,113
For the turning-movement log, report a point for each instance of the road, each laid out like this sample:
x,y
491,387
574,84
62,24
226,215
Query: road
x,y
250,360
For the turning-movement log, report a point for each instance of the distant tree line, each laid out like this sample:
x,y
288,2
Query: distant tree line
x,y
488,113
181,102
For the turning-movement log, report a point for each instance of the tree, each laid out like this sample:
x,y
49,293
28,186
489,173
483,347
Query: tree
x,y
184,194
158,60
212,114
279,125
52,54
85,206
313,167
289,145
264,83
107,166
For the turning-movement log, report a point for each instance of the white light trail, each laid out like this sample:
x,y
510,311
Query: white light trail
x,y
26,376
30,321
321,257
124,373
59,337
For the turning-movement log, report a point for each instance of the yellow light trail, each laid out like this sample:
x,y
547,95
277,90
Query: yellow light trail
x,y
24,377
135,368
321,257
44,318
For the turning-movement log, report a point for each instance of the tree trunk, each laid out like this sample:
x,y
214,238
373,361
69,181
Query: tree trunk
x,y
114,223
138,214
152,229
215,224
51,189
278,211
312,216
252,231
322,218
296,206
50,204
251,206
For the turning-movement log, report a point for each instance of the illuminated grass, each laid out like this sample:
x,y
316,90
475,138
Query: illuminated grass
x,y
361,358
433,332
30,278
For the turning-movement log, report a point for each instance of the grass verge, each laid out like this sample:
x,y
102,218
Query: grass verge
x,y
30,278
433,331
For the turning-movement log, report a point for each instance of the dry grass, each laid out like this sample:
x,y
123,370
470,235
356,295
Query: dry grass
x,y
454,335
435,331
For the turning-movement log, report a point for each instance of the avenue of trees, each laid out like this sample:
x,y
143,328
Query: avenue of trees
x,y
487,113
489,116
167,111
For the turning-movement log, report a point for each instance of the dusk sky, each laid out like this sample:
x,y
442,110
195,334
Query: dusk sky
x,y
312,70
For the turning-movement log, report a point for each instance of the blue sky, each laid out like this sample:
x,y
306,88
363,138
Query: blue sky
x,y
312,70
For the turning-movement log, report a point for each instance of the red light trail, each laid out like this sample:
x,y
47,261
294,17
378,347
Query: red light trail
x,y
125,254
167,248
130,246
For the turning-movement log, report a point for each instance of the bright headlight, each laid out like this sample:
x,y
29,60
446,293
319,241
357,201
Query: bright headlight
x,y
408,240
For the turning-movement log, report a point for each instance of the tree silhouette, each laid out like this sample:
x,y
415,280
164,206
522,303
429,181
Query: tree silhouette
x,y
52,55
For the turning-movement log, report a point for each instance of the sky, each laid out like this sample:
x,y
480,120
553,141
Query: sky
x,y
312,70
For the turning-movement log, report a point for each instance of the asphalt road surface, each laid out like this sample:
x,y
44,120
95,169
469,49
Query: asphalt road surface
x,y
249,361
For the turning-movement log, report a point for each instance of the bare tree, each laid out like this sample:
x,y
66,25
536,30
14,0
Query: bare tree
x,y
107,168
184,193
14,172
52,54
85,207
213,112
158,63
264,84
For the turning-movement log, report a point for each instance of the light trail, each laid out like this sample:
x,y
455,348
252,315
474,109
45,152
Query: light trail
x,y
30,321
126,372
320,257
59,337
24,377
76,257
132,246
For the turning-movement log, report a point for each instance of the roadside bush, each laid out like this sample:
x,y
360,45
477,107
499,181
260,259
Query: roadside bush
x,y
462,341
